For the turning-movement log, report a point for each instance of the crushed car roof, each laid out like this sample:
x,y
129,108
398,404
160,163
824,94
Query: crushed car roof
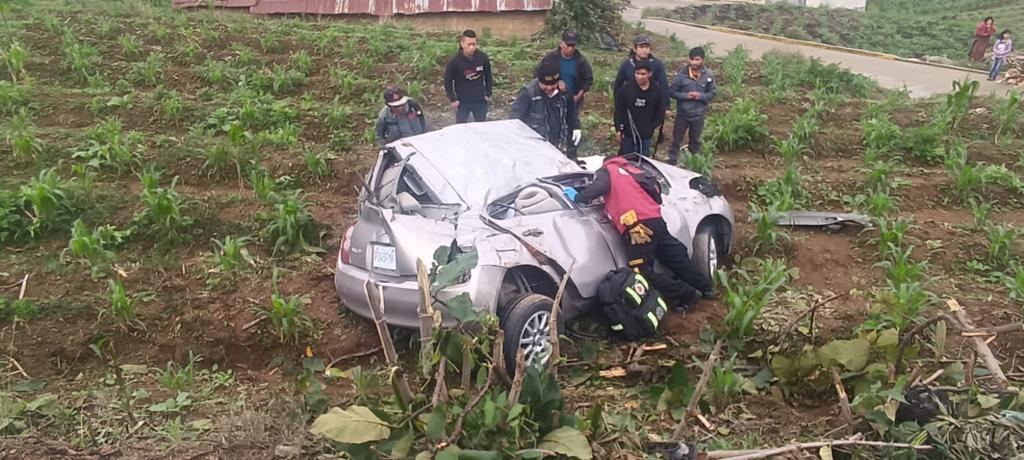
x,y
479,161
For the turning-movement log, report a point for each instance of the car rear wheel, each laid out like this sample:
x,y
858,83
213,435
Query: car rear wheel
x,y
526,323
706,250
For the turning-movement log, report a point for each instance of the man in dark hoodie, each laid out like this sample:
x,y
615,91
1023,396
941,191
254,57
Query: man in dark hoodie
x,y
642,52
693,89
468,81
576,75
639,110
547,110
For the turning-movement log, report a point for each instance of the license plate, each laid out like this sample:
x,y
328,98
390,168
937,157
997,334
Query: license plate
x,y
384,257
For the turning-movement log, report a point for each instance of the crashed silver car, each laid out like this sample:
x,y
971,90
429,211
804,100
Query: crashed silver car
x,y
498,187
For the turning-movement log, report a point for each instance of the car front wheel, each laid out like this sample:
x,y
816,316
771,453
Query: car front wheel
x,y
705,250
526,324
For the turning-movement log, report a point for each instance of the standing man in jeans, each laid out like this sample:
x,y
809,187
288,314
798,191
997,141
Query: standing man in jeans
x,y
468,81
639,110
693,88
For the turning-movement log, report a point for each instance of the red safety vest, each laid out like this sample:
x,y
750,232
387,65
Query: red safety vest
x,y
626,194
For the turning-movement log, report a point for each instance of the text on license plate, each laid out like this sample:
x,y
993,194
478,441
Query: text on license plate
x,y
384,257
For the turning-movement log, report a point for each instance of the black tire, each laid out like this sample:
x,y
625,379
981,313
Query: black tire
x,y
523,311
705,242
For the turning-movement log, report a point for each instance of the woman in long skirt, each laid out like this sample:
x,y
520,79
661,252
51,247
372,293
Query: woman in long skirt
x,y
982,38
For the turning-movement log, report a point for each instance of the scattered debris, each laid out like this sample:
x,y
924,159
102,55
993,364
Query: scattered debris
x,y
832,221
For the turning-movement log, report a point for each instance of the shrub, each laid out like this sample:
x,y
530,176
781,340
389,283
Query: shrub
x,y
741,127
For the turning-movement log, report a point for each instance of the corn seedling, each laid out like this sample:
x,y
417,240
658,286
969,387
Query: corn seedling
x,y
109,145
769,237
702,162
338,115
81,59
879,205
748,291
741,127
150,71
1002,242
12,97
162,207
725,384
785,193
230,254
49,200
881,134
316,163
880,175
735,68
904,304
791,149
17,310
302,62
900,268
124,307
20,135
131,47
14,56
1007,114
891,235
188,51
104,28
179,378
1015,283
171,104
805,128
292,227
12,224
218,159
958,102
159,33
89,246
262,183
980,210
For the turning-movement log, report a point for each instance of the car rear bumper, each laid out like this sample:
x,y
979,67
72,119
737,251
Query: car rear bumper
x,y
402,295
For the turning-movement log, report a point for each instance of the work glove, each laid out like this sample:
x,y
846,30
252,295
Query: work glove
x,y
570,193
576,136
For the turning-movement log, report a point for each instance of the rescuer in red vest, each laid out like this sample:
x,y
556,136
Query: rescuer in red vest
x,y
632,199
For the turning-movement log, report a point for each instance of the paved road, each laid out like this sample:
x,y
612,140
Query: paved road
x,y
921,80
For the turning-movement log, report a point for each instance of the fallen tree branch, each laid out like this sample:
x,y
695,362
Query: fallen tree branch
x,y
360,354
765,453
844,399
709,365
390,355
792,324
556,351
981,345
517,381
426,316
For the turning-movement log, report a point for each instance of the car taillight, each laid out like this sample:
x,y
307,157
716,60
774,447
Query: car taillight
x,y
346,245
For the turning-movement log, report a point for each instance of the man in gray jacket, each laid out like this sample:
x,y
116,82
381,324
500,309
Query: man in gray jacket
x,y
693,89
401,117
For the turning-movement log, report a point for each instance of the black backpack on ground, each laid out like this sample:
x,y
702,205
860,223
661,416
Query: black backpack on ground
x,y
634,309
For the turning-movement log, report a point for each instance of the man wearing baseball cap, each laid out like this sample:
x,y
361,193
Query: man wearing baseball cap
x,y
642,52
575,74
400,117
548,110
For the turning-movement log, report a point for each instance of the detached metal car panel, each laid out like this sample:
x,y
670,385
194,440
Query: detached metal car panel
x,y
498,187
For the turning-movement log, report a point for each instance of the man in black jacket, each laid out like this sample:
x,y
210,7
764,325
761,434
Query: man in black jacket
x,y
693,90
639,110
549,111
642,52
468,81
576,77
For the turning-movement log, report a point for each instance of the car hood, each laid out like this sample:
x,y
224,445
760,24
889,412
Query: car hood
x,y
472,163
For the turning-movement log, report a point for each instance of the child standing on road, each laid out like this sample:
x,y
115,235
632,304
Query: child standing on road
x,y
1000,51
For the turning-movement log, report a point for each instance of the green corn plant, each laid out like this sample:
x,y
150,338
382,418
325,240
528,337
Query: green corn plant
x,y
785,193
231,255
926,142
188,51
958,102
104,28
880,204
12,97
20,135
89,246
904,304
791,149
12,221
284,80
338,116
891,235
109,145
131,47
747,292
880,175
805,128
1002,242
735,69
292,227
900,268
217,159
49,202
725,384
316,163
262,183
881,134
159,33
769,237
178,378
124,307
14,57
702,162
80,58
1015,283
302,62
171,105
213,71
980,210
288,321
162,207
148,72
743,126
1007,114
